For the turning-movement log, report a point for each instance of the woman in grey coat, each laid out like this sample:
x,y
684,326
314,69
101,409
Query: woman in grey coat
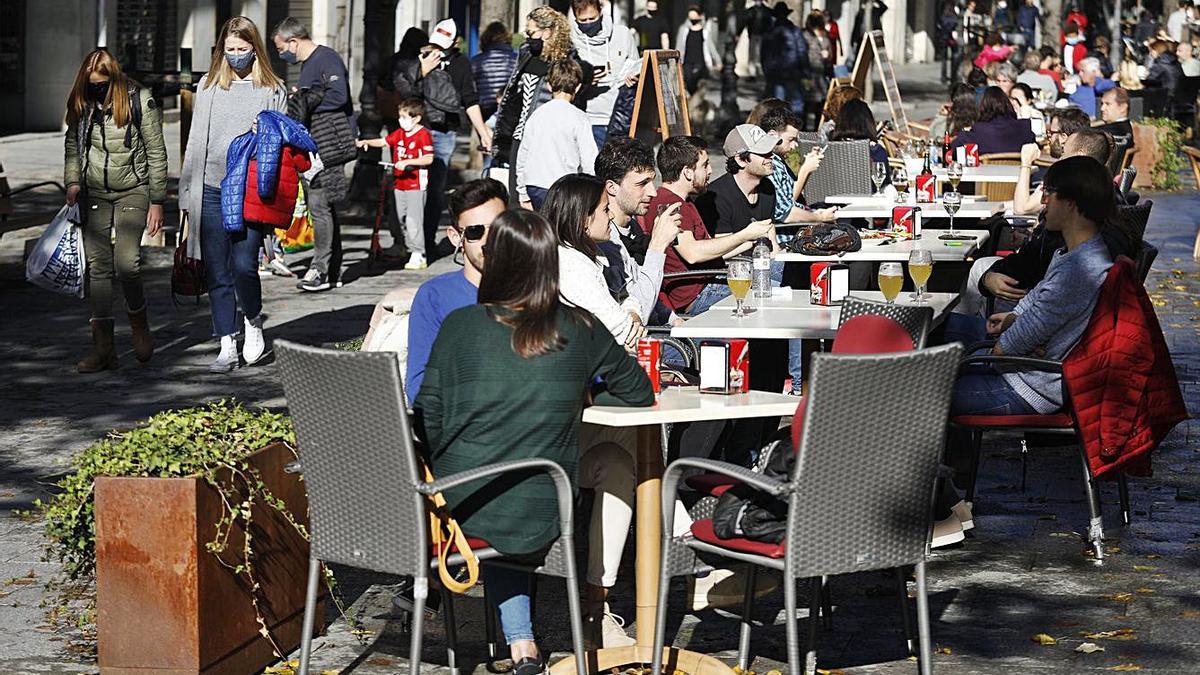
x,y
239,84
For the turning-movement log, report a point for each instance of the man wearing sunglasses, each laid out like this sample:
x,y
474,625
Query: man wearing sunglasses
x,y
473,207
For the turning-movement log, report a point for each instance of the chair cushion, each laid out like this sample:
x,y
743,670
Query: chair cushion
x,y
475,544
703,530
871,334
713,484
1052,421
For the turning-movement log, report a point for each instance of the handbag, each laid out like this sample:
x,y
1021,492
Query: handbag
x,y
825,239
446,534
187,273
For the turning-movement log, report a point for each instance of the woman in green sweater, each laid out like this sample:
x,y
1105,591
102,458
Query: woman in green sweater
x,y
507,379
115,168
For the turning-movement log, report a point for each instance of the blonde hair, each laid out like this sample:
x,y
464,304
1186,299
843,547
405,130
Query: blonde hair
x,y
221,73
100,61
558,45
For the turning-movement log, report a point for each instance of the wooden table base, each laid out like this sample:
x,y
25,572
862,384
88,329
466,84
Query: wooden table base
x,y
674,660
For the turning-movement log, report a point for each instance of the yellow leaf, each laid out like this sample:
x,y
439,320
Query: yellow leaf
x,y
1144,568
1125,667
1146,591
1043,639
1120,597
1118,634
331,672
943,650
1153,556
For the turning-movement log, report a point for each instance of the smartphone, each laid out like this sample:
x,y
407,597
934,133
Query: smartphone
x,y
714,368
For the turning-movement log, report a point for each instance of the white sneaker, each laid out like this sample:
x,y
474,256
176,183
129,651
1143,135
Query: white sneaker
x,y
727,588
962,511
227,360
610,629
416,261
946,532
253,346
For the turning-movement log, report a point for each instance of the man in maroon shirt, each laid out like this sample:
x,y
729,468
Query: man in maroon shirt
x,y
685,168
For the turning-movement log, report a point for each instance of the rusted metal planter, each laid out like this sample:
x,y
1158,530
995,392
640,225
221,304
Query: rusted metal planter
x,y
166,605
1145,139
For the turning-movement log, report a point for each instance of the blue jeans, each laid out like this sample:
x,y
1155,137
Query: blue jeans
x,y
787,89
230,266
986,392
443,149
600,133
537,195
964,328
509,589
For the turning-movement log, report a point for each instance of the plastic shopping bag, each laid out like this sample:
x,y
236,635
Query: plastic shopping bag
x,y
299,235
57,262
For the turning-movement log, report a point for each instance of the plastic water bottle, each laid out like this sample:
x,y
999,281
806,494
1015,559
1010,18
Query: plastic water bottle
x,y
761,276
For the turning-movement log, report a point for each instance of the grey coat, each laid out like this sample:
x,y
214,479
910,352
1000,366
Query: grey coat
x,y
191,177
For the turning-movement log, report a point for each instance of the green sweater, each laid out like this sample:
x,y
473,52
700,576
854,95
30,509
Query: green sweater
x,y
480,403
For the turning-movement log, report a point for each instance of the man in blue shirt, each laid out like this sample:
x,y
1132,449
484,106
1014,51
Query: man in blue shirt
x,y
1092,86
473,207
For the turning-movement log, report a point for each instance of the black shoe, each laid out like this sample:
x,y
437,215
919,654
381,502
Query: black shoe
x,y
314,282
529,666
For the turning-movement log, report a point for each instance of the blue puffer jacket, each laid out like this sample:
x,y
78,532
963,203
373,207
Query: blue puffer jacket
x,y
274,130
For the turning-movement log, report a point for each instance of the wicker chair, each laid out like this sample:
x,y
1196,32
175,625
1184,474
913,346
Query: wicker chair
x,y
915,319
998,192
366,495
839,475
846,169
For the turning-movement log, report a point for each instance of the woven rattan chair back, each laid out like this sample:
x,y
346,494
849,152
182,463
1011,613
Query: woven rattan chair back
x,y
867,460
356,448
916,320
846,169
998,192
1136,217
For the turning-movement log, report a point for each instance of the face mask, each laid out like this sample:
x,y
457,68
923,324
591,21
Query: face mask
x,y
240,62
97,91
694,22
591,29
289,57
535,45
651,12
407,123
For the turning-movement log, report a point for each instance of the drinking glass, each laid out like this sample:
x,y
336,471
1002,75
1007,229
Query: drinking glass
x,y
954,172
879,174
891,279
952,202
900,182
920,268
737,275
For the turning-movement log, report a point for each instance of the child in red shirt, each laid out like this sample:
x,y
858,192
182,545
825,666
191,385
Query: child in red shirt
x,y
412,153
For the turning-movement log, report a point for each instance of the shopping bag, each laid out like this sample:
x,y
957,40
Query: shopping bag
x,y
57,262
299,235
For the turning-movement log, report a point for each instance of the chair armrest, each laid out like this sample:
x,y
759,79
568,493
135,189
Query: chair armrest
x,y
751,478
1021,362
536,463
983,344
695,273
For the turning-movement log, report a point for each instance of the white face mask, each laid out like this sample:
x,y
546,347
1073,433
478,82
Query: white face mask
x,y
407,123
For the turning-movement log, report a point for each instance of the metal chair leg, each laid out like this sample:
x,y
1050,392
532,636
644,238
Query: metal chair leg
x,y
826,603
310,612
489,627
747,613
926,656
417,625
902,588
814,615
1024,462
1123,490
976,442
1095,532
451,631
660,616
793,629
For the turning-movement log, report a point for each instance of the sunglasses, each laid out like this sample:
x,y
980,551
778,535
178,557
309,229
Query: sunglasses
x,y
473,232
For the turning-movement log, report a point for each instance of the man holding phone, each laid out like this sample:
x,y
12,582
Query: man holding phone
x,y
790,206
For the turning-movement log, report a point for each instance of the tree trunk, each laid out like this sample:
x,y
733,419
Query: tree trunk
x,y
498,10
1052,23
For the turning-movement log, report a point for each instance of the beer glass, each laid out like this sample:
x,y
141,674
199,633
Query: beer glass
x,y
955,173
737,275
920,268
891,279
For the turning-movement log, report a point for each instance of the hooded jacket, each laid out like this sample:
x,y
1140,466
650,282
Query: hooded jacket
x,y
265,145
102,156
613,47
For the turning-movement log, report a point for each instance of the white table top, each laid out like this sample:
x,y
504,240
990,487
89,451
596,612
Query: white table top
x,y
873,251
786,317
992,173
882,208
882,197
687,404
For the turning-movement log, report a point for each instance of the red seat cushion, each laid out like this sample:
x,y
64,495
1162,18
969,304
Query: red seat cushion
x,y
871,334
713,484
703,530
475,544
1053,421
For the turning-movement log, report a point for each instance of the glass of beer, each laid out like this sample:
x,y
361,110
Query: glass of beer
x,y
891,278
954,172
737,275
900,181
920,267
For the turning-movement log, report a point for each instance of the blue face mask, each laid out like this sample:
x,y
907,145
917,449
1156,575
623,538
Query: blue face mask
x,y
289,57
240,62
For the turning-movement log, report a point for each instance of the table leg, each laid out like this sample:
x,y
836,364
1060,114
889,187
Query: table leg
x,y
648,533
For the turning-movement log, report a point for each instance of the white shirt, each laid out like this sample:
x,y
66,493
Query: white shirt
x,y
557,141
581,283
1175,24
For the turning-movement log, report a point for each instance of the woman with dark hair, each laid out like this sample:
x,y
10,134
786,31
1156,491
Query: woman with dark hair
x,y
958,115
856,122
833,107
493,65
998,129
507,379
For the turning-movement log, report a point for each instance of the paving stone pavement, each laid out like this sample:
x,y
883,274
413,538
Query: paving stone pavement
x,y
1021,572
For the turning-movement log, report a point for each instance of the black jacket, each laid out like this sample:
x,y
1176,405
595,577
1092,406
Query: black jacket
x,y
1166,71
511,110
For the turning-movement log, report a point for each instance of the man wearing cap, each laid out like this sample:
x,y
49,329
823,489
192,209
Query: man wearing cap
x,y
441,53
742,195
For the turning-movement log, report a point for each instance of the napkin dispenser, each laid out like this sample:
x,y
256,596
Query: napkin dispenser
x,y
829,283
724,366
907,219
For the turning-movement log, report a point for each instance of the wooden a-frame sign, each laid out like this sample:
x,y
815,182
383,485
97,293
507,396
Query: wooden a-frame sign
x,y
661,106
872,52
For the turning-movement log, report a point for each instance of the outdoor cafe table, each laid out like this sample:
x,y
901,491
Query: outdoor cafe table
x,y
674,405
784,317
875,207
873,250
992,173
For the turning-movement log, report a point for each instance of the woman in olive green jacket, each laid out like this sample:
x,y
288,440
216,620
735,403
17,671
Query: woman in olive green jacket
x,y
116,170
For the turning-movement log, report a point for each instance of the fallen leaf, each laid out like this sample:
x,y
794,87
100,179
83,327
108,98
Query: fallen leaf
x,y
1120,597
1144,568
1153,556
1114,549
820,671
1190,614
380,661
1125,667
1146,591
943,650
1118,634
1089,648
1044,640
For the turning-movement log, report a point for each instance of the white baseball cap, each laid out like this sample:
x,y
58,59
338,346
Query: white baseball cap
x,y
444,33
749,138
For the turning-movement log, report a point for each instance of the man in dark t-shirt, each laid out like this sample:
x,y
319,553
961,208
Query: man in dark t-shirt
x,y
743,195
652,28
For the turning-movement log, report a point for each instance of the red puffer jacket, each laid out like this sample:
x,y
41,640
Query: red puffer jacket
x,y
278,209
1121,378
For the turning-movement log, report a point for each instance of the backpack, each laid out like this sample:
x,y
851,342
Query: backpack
x,y
825,239
743,512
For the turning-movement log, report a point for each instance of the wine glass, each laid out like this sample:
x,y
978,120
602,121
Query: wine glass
x,y
955,173
900,181
879,174
952,202
920,268
891,279
737,275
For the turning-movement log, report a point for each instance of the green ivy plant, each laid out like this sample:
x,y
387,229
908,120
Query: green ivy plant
x,y
1169,139
210,442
